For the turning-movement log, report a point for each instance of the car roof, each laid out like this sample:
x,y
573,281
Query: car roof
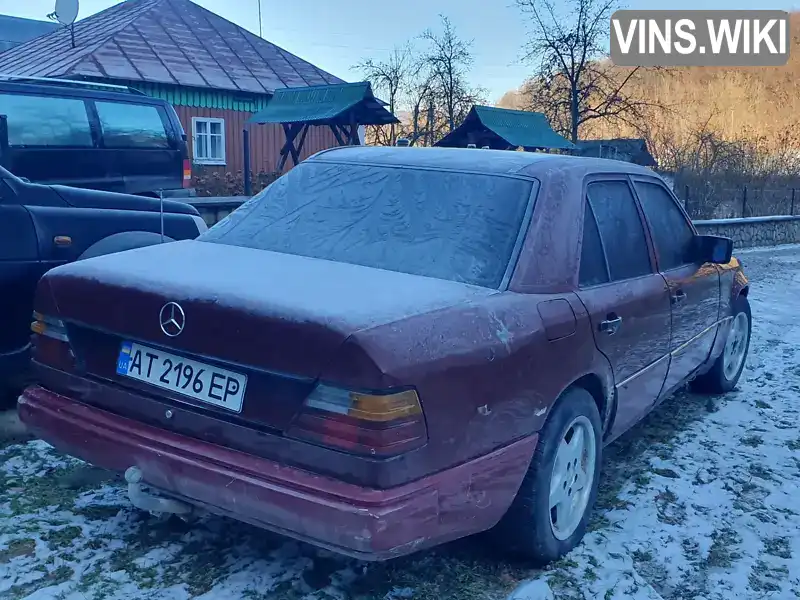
x,y
501,162
56,89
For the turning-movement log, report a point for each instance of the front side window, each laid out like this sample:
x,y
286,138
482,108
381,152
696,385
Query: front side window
x,y
126,125
447,225
46,121
620,229
672,235
209,140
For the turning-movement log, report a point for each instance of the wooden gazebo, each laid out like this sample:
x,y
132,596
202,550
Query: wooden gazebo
x,y
343,108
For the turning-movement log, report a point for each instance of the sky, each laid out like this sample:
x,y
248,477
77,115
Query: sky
x,y
337,34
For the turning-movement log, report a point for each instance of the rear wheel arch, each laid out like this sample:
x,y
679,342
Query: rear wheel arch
x,y
119,242
594,385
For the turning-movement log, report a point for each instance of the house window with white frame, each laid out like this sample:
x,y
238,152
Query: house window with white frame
x,y
208,136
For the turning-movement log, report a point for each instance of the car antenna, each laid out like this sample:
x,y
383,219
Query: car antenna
x,y
161,212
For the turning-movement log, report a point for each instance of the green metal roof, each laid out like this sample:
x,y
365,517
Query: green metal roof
x,y
496,126
326,104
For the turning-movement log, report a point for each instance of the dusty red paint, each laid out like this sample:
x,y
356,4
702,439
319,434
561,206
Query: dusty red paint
x,y
487,364
365,523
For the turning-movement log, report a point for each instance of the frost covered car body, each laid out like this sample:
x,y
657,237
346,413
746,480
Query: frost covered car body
x,y
392,348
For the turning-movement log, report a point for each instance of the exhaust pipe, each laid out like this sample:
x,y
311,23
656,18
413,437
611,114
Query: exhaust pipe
x,y
151,503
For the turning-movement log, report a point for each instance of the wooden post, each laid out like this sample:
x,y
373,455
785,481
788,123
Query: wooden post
x,y
302,139
336,134
686,200
248,188
744,202
353,129
288,148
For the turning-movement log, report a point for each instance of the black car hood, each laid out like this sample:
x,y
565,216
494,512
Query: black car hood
x,y
84,198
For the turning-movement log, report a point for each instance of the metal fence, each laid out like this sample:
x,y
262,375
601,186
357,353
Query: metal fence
x,y
733,196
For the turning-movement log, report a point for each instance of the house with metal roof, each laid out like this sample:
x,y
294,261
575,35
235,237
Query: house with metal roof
x,y
215,73
632,150
16,30
505,129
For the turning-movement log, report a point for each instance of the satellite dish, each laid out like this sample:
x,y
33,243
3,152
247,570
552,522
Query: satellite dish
x,y
66,11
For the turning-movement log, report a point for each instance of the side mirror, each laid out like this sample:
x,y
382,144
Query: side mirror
x,y
713,249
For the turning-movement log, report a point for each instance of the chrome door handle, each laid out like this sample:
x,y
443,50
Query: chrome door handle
x,y
679,296
611,325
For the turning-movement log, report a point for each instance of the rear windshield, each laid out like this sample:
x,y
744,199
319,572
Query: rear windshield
x,y
457,226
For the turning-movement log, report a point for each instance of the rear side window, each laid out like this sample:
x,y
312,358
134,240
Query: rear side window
x,y
46,121
594,270
620,229
127,125
672,235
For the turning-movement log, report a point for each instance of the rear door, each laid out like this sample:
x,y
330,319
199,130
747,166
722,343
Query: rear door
x,y
143,150
627,300
694,288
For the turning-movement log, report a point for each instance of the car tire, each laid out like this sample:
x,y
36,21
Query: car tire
x,y
531,528
723,375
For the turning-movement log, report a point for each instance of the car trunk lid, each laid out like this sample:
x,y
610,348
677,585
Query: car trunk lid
x,y
276,318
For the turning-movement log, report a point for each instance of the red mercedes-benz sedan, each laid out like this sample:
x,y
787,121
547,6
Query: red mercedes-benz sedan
x,y
390,348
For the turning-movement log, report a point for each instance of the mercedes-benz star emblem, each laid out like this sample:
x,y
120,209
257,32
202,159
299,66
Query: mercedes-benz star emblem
x,y
172,319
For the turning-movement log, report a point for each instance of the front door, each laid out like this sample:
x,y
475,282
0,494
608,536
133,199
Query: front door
x,y
627,300
694,288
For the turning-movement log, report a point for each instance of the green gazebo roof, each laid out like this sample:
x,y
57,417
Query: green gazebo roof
x,y
501,128
341,104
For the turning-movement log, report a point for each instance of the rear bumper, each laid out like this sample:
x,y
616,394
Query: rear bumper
x,y
366,523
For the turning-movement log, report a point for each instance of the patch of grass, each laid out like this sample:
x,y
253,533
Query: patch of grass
x,y
17,548
762,577
669,473
724,548
43,492
760,471
642,555
598,522
794,445
778,546
670,511
97,512
61,538
52,578
691,550
468,570
752,440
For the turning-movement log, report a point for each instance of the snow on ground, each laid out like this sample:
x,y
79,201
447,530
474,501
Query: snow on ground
x,y
699,501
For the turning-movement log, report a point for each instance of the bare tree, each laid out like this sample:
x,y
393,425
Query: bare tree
x,y
575,83
389,78
428,88
447,61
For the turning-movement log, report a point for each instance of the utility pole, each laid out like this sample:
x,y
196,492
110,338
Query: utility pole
x,y
260,32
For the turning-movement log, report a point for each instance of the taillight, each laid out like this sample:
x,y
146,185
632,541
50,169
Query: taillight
x,y
377,424
51,342
49,327
187,173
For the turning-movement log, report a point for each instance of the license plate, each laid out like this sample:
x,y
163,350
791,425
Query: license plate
x,y
190,378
